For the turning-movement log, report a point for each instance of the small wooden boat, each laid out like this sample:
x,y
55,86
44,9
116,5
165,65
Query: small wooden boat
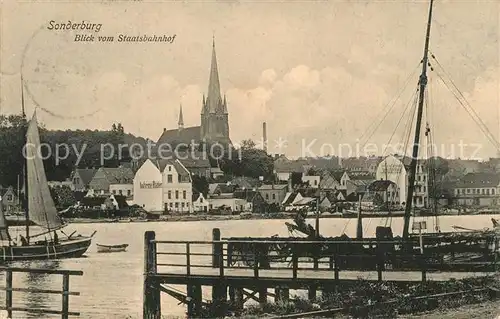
x,y
111,248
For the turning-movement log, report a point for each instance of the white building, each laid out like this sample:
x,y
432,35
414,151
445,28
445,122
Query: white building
x,y
312,180
163,185
397,170
122,189
200,203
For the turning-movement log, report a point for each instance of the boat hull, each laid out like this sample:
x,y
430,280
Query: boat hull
x,y
72,248
111,248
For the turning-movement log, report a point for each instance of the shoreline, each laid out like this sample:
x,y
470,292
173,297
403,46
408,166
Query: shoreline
x,y
201,218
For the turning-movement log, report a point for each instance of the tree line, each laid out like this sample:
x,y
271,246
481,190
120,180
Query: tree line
x,y
253,162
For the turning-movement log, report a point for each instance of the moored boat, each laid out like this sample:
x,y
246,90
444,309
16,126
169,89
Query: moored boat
x,y
111,248
40,210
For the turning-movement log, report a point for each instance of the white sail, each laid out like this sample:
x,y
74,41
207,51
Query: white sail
x,y
41,207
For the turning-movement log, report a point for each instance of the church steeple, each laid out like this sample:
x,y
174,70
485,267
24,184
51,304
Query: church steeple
x,y
213,96
181,119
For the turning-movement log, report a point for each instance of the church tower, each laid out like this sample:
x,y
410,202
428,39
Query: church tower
x,y
180,124
214,114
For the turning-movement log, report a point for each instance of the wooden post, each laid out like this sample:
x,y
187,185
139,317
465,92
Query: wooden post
x,y
282,294
8,296
262,295
65,296
423,265
336,269
188,260
229,254
215,247
219,299
220,254
311,293
151,302
256,261
295,261
194,304
238,299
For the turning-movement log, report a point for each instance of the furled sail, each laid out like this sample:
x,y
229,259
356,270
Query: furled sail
x,y
41,207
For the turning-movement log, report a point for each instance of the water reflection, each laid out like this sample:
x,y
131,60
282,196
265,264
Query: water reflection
x,y
34,300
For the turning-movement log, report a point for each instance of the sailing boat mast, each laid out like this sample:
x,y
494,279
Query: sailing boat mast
x,y
25,168
421,96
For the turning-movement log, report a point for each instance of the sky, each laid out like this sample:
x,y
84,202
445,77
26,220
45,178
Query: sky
x,y
320,74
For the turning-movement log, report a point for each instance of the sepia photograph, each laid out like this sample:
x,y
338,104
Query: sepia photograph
x,y
250,159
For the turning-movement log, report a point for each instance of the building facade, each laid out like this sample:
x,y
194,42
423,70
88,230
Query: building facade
x,y
396,169
273,194
478,189
163,185
81,178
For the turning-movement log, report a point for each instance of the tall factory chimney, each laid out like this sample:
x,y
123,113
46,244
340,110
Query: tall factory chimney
x,y
264,137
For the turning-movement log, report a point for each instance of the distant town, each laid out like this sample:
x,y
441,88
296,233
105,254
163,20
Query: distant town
x,y
254,182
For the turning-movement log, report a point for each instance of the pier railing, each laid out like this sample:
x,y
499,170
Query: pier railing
x,y
254,264
64,292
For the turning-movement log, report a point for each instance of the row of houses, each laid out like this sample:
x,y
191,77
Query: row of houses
x,y
167,185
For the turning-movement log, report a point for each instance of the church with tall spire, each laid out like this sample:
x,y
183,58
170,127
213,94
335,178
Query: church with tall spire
x,y
214,116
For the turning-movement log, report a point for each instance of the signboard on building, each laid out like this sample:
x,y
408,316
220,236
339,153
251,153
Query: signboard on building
x,y
392,169
152,184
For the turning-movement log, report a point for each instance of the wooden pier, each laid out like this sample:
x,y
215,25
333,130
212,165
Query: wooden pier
x,y
195,264
64,292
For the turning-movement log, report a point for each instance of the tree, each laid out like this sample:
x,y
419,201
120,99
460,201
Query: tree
x,y
200,184
248,144
12,132
248,161
63,196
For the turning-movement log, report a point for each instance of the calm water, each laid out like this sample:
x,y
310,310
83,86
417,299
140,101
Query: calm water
x,y
111,286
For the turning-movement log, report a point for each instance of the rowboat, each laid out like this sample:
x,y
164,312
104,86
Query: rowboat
x,y
111,248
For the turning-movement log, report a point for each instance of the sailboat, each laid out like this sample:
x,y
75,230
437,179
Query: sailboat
x,y
456,250
42,211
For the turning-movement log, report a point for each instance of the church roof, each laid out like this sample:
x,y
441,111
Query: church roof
x,y
214,99
186,135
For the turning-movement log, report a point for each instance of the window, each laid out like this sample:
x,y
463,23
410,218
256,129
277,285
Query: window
x,y
171,205
169,168
493,191
114,191
488,191
129,192
274,196
176,194
201,199
267,196
169,178
121,192
176,205
178,178
10,197
182,204
184,194
169,194
424,177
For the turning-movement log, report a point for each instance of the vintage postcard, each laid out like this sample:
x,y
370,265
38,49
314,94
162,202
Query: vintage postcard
x,y
281,159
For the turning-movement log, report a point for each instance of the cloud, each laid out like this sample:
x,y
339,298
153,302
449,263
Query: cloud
x,y
331,106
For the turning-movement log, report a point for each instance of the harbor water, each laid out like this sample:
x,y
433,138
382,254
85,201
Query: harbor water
x,y
111,286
